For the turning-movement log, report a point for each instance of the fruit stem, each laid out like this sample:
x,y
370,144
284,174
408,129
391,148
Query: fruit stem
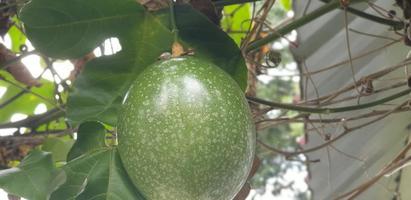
x,y
174,29
177,49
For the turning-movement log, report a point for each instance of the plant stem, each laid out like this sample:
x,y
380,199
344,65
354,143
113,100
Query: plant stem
x,y
329,110
6,64
223,3
397,25
296,24
36,120
27,90
174,28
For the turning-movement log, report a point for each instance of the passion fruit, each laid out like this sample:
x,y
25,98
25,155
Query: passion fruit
x,y
186,132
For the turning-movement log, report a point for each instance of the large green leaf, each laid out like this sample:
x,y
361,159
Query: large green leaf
x,y
26,103
96,175
33,179
71,28
90,136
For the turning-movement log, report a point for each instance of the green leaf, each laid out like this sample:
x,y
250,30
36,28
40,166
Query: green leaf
x,y
33,179
26,103
210,42
72,28
287,4
96,175
90,136
58,146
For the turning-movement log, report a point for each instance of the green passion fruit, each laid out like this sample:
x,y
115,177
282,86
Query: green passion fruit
x,y
186,132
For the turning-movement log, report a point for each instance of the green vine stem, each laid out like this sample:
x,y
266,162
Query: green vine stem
x,y
174,28
223,3
297,23
397,25
177,49
329,110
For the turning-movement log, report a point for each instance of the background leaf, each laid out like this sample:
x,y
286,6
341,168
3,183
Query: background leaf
x,y
236,21
287,4
58,147
90,136
33,179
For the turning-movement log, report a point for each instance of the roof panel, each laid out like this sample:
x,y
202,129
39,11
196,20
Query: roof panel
x,y
363,153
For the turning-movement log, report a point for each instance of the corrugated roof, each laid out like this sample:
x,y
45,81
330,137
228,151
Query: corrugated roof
x,y
360,155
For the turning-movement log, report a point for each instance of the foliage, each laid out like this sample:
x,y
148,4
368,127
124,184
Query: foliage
x,y
34,178
96,95
285,136
80,122
89,166
236,21
27,103
94,169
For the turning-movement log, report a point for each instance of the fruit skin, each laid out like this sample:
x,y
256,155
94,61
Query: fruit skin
x,y
186,132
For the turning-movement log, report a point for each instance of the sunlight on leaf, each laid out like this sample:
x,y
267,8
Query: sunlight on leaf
x,y
287,4
26,103
236,21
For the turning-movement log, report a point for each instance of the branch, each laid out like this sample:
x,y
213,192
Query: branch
x,y
297,23
329,110
304,119
36,137
12,99
35,120
10,62
223,3
326,99
387,170
294,25
31,92
345,132
397,25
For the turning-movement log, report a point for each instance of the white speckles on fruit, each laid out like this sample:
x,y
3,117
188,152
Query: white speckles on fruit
x,y
185,132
